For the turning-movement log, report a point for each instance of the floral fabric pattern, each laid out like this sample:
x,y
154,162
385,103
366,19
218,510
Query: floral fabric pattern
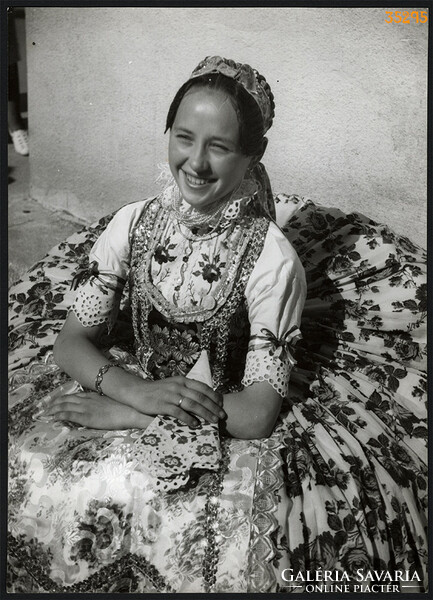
x,y
340,485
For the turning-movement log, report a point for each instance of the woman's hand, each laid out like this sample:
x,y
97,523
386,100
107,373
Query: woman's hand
x,y
178,397
89,409
184,399
75,351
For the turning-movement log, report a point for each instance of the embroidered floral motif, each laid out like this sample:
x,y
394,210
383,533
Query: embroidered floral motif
x,y
210,270
174,350
101,525
205,450
170,461
162,252
151,440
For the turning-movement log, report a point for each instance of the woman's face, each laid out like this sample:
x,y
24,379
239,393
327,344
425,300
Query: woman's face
x,y
204,154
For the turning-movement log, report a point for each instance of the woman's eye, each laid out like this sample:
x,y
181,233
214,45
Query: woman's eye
x,y
221,147
182,136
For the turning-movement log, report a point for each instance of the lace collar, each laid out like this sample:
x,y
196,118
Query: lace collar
x,y
239,205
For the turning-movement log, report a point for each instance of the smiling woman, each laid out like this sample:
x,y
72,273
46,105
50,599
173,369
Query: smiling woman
x,y
166,451
204,153
216,135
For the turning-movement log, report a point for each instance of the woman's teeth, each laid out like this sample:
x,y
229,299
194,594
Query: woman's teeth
x,y
195,180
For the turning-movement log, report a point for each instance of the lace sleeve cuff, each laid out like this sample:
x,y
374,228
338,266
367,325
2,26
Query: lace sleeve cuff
x,y
97,303
270,359
262,366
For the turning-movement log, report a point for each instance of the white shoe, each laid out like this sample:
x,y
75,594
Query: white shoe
x,y
20,141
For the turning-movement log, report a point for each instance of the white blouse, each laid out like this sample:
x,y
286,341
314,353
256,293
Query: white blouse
x,y
188,272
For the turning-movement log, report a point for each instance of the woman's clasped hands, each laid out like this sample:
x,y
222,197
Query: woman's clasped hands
x,y
186,399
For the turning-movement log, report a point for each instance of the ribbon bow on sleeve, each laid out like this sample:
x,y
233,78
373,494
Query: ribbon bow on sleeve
x,y
279,347
84,273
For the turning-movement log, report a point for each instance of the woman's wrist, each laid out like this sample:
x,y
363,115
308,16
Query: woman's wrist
x,y
142,421
125,387
100,377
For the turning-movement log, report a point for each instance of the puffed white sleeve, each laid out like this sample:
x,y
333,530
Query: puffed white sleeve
x,y
98,298
275,295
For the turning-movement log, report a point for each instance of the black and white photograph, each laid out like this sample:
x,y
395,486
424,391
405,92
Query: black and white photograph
x,y
217,292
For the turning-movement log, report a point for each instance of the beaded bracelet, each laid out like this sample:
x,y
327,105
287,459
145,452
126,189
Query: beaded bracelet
x,y
100,377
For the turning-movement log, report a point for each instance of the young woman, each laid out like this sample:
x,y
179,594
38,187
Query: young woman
x,y
179,458
206,224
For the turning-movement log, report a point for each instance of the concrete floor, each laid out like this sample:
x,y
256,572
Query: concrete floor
x,y
32,228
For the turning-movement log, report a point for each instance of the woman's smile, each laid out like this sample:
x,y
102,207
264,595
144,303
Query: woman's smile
x,y
195,181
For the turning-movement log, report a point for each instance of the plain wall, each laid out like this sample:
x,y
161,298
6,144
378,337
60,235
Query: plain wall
x,y
350,92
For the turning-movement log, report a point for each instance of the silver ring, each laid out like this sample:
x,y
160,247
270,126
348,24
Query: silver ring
x,y
181,399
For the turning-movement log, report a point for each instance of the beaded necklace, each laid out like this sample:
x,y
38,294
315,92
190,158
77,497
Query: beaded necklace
x,y
195,225
196,219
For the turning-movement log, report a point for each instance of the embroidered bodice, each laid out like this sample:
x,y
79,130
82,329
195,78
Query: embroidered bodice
x,y
234,292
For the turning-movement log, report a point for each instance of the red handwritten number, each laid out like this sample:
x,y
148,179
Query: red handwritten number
x,y
406,16
415,12
389,15
397,14
423,14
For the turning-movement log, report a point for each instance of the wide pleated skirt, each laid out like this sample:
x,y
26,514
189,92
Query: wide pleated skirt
x,y
340,486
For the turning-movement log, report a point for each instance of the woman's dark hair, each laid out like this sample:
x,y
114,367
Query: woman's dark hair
x,y
251,129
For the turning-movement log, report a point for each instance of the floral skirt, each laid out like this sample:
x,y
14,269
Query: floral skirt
x,y
340,486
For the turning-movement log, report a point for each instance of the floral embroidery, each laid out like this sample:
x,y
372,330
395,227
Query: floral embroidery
x,y
170,461
162,252
210,270
150,440
174,350
205,450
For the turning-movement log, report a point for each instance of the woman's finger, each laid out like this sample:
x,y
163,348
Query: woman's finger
x,y
68,397
65,405
202,405
184,416
204,389
68,415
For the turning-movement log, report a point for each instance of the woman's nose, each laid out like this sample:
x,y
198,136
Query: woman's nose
x,y
199,159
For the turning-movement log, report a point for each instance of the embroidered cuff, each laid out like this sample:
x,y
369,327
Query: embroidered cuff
x,y
96,303
261,365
